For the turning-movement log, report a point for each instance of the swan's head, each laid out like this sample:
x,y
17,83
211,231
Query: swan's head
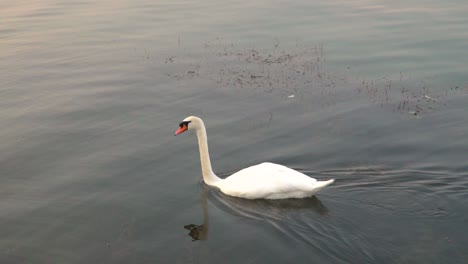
x,y
191,122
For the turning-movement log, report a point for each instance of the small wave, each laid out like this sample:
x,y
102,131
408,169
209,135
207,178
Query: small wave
x,y
306,222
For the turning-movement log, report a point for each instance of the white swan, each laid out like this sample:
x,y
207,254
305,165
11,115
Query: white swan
x,y
265,180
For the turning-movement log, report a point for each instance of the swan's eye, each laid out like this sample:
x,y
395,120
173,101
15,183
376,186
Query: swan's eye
x,y
182,127
185,123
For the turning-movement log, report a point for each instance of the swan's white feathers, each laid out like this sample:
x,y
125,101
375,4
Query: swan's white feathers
x,y
270,181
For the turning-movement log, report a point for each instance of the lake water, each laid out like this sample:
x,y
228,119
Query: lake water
x,y
371,93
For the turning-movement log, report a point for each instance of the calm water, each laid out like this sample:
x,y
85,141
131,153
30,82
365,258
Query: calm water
x,y
371,93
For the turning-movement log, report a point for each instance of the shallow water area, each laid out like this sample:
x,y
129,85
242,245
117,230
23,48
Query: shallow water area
x,y
371,94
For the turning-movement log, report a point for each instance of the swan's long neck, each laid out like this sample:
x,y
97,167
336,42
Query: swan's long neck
x,y
208,175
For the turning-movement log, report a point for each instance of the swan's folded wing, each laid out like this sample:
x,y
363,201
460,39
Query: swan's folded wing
x,y
266,179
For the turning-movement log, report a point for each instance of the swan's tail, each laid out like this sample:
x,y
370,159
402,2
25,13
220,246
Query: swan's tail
x,y
322,184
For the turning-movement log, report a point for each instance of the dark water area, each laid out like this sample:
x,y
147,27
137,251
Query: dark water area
x,y
372,94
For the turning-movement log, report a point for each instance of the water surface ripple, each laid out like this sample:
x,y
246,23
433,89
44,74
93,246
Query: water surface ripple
x,y
371,93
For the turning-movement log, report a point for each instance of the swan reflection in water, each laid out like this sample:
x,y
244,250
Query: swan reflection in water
x,y
279,213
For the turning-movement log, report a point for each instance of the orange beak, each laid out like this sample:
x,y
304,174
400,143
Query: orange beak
x,y
180,130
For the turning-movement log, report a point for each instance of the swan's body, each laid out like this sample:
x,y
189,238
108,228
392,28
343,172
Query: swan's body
x,y
265,180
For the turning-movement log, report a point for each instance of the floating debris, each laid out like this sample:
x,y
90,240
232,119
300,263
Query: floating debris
x,y
170,59
429,98
291,71
416,113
